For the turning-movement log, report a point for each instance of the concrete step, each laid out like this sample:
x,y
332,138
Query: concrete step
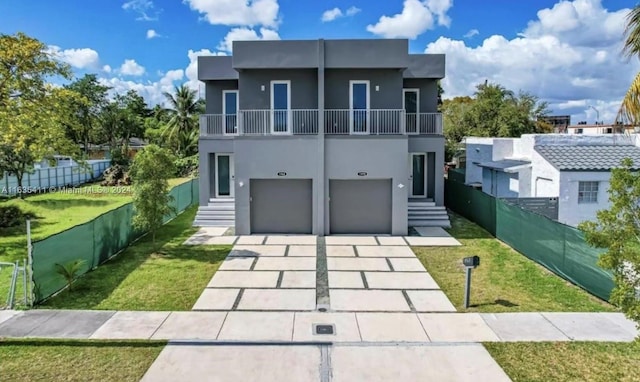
x,y
222,200
422,204
432,208
215,217
444,223
220,207
427,212
214,223
217,212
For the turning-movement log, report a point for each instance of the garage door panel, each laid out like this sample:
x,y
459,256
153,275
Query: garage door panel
x,y
360,206
281,205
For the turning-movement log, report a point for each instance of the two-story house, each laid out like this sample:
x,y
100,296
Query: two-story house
x,y
321,137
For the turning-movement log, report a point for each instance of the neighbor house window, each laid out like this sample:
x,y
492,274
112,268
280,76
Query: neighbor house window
x,y
587,192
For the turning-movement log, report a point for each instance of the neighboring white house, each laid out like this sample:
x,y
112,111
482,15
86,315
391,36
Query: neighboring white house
x,y
573,168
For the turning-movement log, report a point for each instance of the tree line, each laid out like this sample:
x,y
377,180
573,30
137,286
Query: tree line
x,y
492,111
39,119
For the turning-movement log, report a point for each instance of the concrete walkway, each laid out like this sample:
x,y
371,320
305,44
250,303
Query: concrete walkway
x,y
298,327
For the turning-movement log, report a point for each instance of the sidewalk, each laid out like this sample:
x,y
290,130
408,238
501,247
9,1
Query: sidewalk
x,y
297,327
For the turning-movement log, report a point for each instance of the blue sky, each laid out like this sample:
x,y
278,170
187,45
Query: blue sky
x,y
566,52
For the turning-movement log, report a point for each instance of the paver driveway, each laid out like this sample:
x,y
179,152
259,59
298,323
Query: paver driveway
x,y
371,290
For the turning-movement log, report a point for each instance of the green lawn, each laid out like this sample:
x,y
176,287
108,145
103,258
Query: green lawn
x,y
568,361
106,361
505,281
162,276
58,211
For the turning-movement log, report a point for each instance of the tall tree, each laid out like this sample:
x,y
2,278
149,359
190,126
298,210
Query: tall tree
x,y
494,111
88,112
133,111
32,112
184,106
630,109
150,172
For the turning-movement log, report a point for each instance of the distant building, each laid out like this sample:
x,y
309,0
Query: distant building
x,y
572,169
601,128
559,122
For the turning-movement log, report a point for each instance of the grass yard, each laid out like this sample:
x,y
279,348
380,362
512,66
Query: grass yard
x,y
107,361
568,361
146,276
58,211
505,281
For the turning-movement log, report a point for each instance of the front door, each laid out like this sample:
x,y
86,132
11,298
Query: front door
x,y
418,175
224,175
280,107
410,103
359,107
230,111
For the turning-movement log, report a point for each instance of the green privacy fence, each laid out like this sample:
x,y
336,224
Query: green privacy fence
x,y
95,241
560,248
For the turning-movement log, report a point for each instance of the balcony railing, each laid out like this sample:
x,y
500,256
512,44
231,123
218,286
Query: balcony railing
x,y
306,122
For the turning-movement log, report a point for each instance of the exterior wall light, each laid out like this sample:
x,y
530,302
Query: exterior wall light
x,y
401,185
262,87
240,184
377,88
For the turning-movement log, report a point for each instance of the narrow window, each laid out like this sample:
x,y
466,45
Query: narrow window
x,y
587,192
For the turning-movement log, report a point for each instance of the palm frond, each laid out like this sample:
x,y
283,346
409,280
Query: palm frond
x,y
632,33
630,109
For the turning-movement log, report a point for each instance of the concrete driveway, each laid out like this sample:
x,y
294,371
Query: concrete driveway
x,y
367,294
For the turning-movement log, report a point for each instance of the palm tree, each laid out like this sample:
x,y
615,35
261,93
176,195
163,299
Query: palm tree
x,y
630,109
183,106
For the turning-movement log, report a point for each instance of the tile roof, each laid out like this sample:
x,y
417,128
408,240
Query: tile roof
x,y
589,157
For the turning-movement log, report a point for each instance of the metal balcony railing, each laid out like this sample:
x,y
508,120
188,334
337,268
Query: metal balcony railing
x,y
306,122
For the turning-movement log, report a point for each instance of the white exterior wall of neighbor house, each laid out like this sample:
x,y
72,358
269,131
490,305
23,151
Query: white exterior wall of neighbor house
x,y
571,212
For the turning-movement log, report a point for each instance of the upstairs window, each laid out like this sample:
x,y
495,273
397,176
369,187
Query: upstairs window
x,y
587,192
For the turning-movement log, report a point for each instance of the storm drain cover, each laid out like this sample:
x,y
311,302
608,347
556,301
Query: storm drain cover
x,y
326,329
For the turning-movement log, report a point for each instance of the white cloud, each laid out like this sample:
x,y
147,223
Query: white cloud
x,y
416,18
84,58
106,69
151,33
568,56
332,14
238,12
192,69
144,8
246,34
131,68
471,33
353,10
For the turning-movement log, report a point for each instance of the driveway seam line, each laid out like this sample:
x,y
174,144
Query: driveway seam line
x,y
409,302
286,251
422,326
159,326
389,264
376,239
280,277
364,280
355,251
552,324
237,301
224,320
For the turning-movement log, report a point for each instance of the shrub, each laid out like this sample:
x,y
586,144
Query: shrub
x,y
11,216
118,158
187,167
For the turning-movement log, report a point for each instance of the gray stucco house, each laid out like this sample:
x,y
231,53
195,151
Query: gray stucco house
x,y
321,137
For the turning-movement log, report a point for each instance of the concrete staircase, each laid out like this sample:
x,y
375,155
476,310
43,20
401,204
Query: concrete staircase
x,y
219,213
427,214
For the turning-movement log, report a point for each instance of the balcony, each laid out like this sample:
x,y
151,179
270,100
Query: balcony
x,y
306,122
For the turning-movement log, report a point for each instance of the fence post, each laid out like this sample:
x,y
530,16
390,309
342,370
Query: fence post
x,y
30,263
